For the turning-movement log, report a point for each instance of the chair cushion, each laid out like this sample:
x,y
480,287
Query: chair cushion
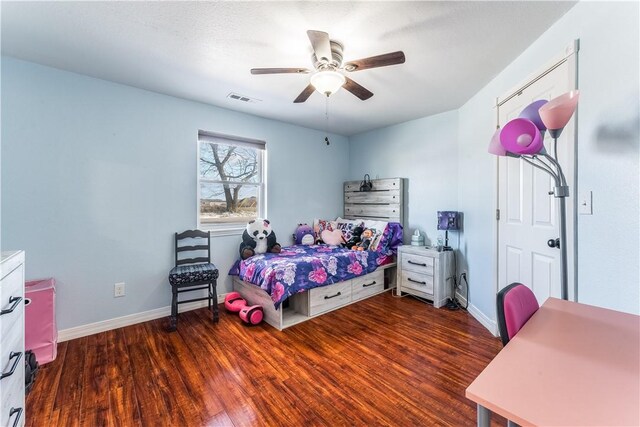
x,y
519,305
192,273
515,305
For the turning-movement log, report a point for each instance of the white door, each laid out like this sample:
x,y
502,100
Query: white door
x,y
528,214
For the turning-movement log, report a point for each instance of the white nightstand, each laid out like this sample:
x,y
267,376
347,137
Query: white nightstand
x,y
425,273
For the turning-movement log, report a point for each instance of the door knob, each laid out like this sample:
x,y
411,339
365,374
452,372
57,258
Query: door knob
x,y
553,243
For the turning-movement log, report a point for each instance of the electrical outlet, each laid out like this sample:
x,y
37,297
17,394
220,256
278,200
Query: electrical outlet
x,y
118,290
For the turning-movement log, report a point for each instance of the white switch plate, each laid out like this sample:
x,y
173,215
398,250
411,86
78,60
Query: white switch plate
x,y
118,290
585,203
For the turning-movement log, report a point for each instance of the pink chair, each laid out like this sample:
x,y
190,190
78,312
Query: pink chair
x,y
515,305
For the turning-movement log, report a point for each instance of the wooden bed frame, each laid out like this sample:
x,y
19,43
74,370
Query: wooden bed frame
x,y
385,202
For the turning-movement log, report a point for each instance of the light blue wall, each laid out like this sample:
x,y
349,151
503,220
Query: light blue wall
x,y
609,116
96,178
425,152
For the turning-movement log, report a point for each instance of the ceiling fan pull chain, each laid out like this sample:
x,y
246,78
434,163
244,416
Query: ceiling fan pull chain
x,y
326,117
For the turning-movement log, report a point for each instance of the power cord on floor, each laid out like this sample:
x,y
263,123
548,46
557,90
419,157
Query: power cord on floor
x,y
453,303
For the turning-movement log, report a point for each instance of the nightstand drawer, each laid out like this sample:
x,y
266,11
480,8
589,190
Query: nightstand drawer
x,y
417,263
329,297
364,286
417,281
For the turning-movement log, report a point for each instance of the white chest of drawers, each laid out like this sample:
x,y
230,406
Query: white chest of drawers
x,y
12,409
425,273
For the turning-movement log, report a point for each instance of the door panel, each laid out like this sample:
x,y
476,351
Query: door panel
x,y
543,270
514,264
514,190
543,205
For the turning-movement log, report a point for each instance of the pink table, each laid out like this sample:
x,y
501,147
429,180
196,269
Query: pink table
x,y
570,365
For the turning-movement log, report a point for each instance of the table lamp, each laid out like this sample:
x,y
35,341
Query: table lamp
x,y
523,137
448,220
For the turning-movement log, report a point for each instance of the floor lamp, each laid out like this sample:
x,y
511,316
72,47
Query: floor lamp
x,y
523,138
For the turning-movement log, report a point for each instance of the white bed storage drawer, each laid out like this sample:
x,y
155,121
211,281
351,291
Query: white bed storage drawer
x,y
367,285
329,297
418,282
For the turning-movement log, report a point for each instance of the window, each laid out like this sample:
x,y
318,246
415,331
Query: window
x,y
231,188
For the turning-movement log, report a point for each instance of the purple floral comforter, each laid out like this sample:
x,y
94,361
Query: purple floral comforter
x,y
300,267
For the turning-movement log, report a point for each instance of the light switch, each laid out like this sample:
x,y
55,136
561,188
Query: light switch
x,y
584,203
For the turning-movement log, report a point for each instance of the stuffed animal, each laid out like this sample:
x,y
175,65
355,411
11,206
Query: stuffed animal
x,y
365,240
355,237
258,238
304,235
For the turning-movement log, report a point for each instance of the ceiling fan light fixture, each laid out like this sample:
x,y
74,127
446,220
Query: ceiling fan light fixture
x,y
327,82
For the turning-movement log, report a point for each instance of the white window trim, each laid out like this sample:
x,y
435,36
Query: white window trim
x,y
233,229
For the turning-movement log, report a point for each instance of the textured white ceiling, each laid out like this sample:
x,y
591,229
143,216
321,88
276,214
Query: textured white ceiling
x,y
204,50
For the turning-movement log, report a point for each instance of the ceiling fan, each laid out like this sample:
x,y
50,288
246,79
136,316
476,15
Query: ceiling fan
x,y
327,61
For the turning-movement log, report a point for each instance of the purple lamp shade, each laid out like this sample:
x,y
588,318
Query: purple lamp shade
x,y
556,113
521,136
530,112
495,147
448,220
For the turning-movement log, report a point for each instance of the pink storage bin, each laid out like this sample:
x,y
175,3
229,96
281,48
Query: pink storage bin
x,y
40,332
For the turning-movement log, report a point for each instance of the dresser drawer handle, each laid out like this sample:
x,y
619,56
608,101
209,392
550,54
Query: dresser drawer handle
x,y
15,301
421,264
416,281
12,355
332,296
369,284
14,411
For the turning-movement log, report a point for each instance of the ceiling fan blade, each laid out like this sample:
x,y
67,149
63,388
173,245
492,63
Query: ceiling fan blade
x,y
359,91
279,70
305,94
321,45
376,61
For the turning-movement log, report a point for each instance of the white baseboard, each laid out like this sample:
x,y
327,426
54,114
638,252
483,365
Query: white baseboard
x,y
130,319
491,325
462,300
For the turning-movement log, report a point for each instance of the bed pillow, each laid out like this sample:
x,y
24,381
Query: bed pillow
x,y
378,228
391,239
332,237
346,226
319,225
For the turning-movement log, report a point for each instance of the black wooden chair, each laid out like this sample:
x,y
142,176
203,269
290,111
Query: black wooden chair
x,y
193,274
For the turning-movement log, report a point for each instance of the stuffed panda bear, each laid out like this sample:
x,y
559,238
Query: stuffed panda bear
x,y
258,238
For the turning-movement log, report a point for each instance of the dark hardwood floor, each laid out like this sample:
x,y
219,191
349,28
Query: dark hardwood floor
x,y
383,361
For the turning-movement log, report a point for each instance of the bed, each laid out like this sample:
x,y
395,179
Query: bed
x,y
303,282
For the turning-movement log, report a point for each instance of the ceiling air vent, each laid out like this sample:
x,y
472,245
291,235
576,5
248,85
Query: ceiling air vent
x,y
242,98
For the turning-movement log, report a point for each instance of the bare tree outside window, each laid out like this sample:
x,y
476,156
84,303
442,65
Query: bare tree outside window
x,y
230,183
